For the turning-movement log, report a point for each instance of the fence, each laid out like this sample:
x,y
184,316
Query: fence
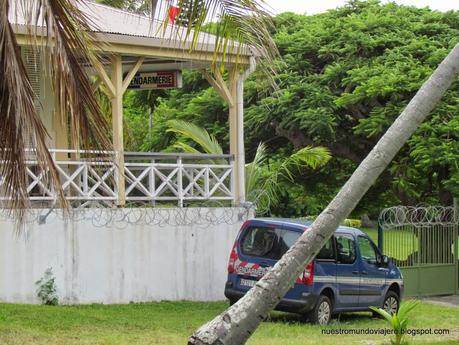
x,y
89,177
423,242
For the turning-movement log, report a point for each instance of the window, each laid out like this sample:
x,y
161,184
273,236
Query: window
x,y
270,243
345,248
367,250
327,252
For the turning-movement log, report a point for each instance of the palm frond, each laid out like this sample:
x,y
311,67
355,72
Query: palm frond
x,y
383,313
406,307
261,183
313,157
197,134
67,46
186,148
263,188
253,173
237,25
20,125
70,49
398,320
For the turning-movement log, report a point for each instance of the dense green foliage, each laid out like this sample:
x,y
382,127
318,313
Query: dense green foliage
x,y
345,76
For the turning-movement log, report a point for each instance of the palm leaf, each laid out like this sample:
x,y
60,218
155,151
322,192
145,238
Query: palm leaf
x,y
257,191
260,189
186,148
253,172
396,322
197,134
406,307
383,313
20,125
237,25
67,47
71,50
264,190
313,157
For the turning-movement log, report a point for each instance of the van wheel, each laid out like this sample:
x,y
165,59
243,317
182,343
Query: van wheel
x,y
322,312
391,304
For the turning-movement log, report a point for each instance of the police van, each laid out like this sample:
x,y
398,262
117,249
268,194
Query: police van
x,y
348,274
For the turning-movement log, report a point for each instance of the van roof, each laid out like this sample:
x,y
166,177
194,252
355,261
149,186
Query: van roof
x,y
305,223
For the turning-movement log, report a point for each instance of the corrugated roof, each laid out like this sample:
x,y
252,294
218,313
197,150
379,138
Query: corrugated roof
x,y
108,20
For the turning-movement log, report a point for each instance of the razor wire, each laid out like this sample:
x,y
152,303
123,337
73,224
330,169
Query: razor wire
x,y
417,215
154,217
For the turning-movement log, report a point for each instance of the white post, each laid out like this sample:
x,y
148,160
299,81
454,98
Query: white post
x,y
237,129
235,145
240,159
117,121
180,181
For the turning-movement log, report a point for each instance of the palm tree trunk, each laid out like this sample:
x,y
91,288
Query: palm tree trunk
x,y
235,325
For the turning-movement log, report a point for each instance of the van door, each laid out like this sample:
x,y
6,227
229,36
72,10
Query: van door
x,y
347,272
325,266
259,248
372,277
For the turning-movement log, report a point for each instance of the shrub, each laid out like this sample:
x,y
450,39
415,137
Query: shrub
x,y
47,289
355,223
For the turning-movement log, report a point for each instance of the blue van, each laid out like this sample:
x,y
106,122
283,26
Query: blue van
x,y
348,274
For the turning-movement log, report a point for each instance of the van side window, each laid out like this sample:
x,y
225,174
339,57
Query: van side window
x,y
269,243
345,248
367,250
327,252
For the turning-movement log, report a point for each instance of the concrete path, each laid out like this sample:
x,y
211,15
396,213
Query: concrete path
x,y
447,301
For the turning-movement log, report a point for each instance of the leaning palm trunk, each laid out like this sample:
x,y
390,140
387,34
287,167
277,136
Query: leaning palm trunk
x,y
235,325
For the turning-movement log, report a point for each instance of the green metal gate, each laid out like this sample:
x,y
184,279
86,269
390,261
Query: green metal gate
x,y
423,242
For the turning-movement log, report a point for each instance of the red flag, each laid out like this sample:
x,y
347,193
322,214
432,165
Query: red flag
x,y
173,13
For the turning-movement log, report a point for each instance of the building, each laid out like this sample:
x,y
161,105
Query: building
x,y
169,246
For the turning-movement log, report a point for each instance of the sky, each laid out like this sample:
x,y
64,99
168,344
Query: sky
x,y
318,6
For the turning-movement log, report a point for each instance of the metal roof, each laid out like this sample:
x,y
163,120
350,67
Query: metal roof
x,y
296,221
129,28
305,223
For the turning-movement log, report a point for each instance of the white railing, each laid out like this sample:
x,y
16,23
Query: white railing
x,y
152,177
92,177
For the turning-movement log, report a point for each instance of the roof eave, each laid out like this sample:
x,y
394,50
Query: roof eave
x,y
155,47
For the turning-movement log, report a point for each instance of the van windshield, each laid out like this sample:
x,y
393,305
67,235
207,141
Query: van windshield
x,y
269,243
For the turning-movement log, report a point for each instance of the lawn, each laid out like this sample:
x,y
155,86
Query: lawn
x,y
397,244
171,323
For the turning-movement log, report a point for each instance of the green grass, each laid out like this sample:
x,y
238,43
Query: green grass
x,y
397,244
172,322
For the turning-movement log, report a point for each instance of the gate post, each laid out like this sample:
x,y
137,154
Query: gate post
x,y
380,235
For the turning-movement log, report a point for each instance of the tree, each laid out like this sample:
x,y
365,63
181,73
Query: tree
x,y
347,74
236,324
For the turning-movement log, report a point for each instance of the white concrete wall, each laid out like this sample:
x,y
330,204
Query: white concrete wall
x,y
133,258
